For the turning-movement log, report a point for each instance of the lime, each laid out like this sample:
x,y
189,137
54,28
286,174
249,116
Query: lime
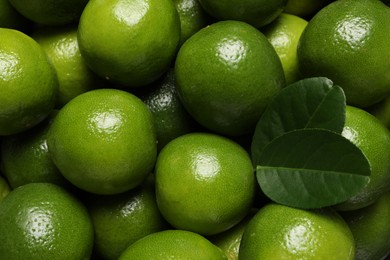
x,y
173,244
381,111
204,183
281,232
373,138
43,221
28,82
103,141
284,34
255,12
4,188
120,220
10,18
50,12
226,74
229,241
305,8
74,77
25,157
192,18
347,41
170,117
371,229
130,42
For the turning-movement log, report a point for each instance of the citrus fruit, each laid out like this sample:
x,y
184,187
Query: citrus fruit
x,y
192,18
381,111
257,13
130,42
229,240
103,141
284,34
74,77
281,232
28,82
50,12
347,41
10,18
170,117
226,74
25,157
373,138
371,229
4,188
173,244
43,221
305,8
120,220
204,183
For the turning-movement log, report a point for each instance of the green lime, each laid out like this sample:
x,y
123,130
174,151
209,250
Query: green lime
x,y
229,241
25,157
281,232
381,111
44,221
120,220
204,183
192,18
255,12
74,77
371,229
28,82
373,138
4,188
284,34
10,18
347,41
50,12
104,141
173,244
170,117
226,74
305,8
130,42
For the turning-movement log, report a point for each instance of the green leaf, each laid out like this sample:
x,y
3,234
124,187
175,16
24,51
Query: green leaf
x,y
308,103
312,168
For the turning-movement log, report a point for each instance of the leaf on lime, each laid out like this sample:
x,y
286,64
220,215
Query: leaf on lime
x,y
308,103
312,168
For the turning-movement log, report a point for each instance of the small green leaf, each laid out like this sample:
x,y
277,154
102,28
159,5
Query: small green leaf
x,y
312,168
308,103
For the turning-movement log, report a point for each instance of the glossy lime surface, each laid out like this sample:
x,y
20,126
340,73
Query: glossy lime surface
x,y
120,220
284,34
170,117
61,45
130,42
25,157
173,244
43,221
192,18
226,74
104,141
204,183
373,138
371,229
50,12
281,232
28,82
347,41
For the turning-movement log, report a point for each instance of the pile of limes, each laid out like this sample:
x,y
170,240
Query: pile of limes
x,y
127,129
